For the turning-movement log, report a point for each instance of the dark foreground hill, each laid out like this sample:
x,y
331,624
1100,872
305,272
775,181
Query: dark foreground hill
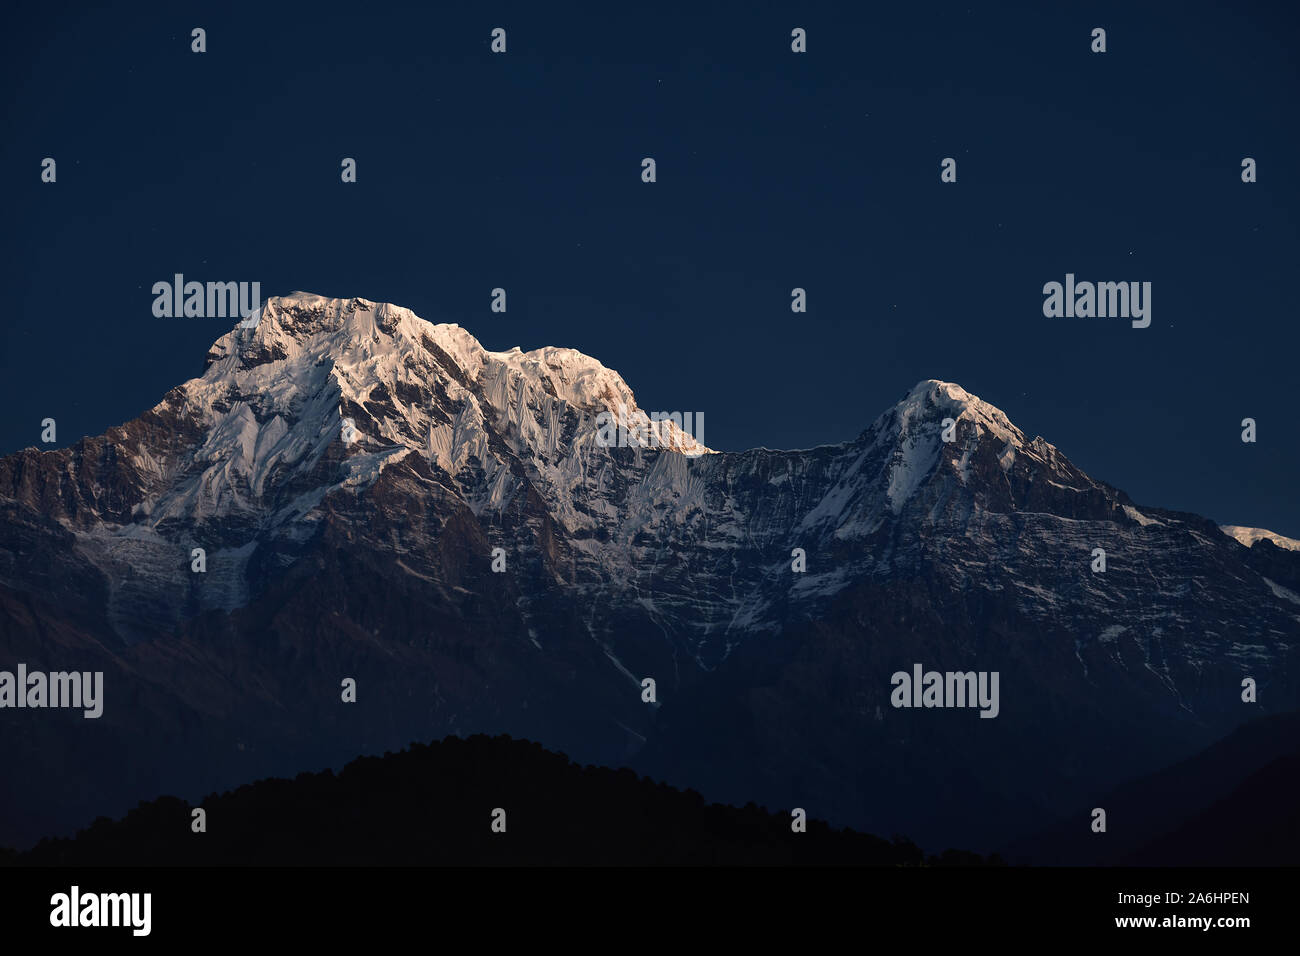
x,y
435,804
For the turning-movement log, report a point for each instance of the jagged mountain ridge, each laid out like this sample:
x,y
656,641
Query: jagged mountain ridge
x,y
624,562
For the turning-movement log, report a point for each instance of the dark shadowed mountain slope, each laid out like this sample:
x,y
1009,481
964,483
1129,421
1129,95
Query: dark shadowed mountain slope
x,y
1258,824
1237,803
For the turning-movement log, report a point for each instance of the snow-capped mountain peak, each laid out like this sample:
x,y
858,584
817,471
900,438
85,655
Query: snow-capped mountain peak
x,y
932,398
1251,536
940,426
919,417
281,387
356,332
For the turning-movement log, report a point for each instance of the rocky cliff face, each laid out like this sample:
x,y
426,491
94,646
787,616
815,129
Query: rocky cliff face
x,y
349,469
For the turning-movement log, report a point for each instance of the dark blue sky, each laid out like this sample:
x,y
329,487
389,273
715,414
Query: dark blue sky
x,y
775,170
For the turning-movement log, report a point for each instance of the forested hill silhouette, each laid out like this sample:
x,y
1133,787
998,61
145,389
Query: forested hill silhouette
x,y
434,805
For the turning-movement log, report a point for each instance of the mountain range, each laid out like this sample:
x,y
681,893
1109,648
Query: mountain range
x,y
352,474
